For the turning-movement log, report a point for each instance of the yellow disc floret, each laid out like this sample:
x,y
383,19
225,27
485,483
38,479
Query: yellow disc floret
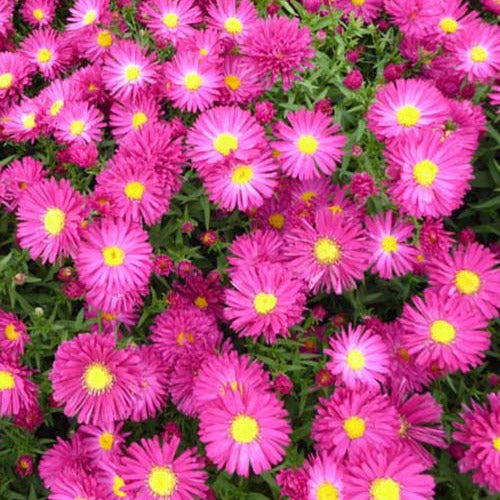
x,y
448,25
326,491
265,303
134,190
233,25
408,116
389,244
193,81
478,54
106,440
97,378
162,481
326,251
425,172
113,256
171,20
354,427
7,381
104,39
443,332
11,333
54,221
6,80
233,82
225,143
132,72
355,360
307,144
242,174
244,429
385,489
467,282
77,127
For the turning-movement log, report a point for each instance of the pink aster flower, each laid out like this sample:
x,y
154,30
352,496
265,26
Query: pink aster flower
x,y
265,301
151,471
131,115
94,380
241,85
15,71
414,18
405,105
353,421
77,484
87,13
278,47
234,19
324,477
127,70
358,355
477,52
50,215
23,121
13,334
104,442
330,255
368,10
454,17
38,12
480,432
309,147
434,239
387,244
441,332
79,122
470,274
95,43
245,430
388,474
433,175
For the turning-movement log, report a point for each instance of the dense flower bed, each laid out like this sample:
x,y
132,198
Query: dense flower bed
x,y
248,249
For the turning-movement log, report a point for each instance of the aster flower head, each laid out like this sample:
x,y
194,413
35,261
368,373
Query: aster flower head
x,y
434,239
15,72
104,442
94,42
324,477
50,215
453,18
77,484
234,19
88,13
79,122
368,10
13,333
245,430
241,85
415,18
94,380
22,121
406,105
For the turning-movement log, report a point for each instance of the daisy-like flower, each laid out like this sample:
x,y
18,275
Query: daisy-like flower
x,y
47,51
358,355
406,105
38,12
233,18
453,18
95,42
265,301
93,380
309,147
207,43
15,71
245,430
170,21
13,334
151,471
390,254
352,421
471,275
368,10
415,18
240,83
229,371
88,13
439,332
90,84
477,52
275,214
390,474
23,121
128,70
433,175
192,84
328,255
131,115
79,121
103,442
278,47
480,432
242,185
108,476
77,484
324,477
311,191
223,131
50,215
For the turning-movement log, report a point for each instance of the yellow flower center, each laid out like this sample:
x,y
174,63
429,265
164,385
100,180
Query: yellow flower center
x,y
244,429
193,81
336,209
104,39
56,107
233,26
134,190
327,491
389,244
467,282
355,360
162,481
171,20
108,316
89,17
233,82
97,378
448,25
7,381
407,116
77,127
201,302
327,251
478,54
106,440
424,172
11,333
139,119
385,489
308,196
225,143
443,332
276,220
496,443
29,121
264,303
118,484
132,72
113,256
183,337
38,14
242,174
54,221
357,3
354,427
405,355
5,80
307,144
203,52
44,55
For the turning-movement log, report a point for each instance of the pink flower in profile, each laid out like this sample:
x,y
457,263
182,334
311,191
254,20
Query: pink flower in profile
x,y
131,115
368,10
324,477
233,19
93,380
406,105
151,471
310,147
38,12
440,332
387,475
50,215
79,122
265,301
15,71
352,421
245,430
390,252
88,13
470,274
13,334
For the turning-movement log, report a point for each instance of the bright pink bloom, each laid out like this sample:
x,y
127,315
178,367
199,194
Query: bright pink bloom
x,y
368,10
415,18
324,477
77,484
234,19
23,121
38,12
104,442
88,13
79,122
13,334
241,85
15,71
131,115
